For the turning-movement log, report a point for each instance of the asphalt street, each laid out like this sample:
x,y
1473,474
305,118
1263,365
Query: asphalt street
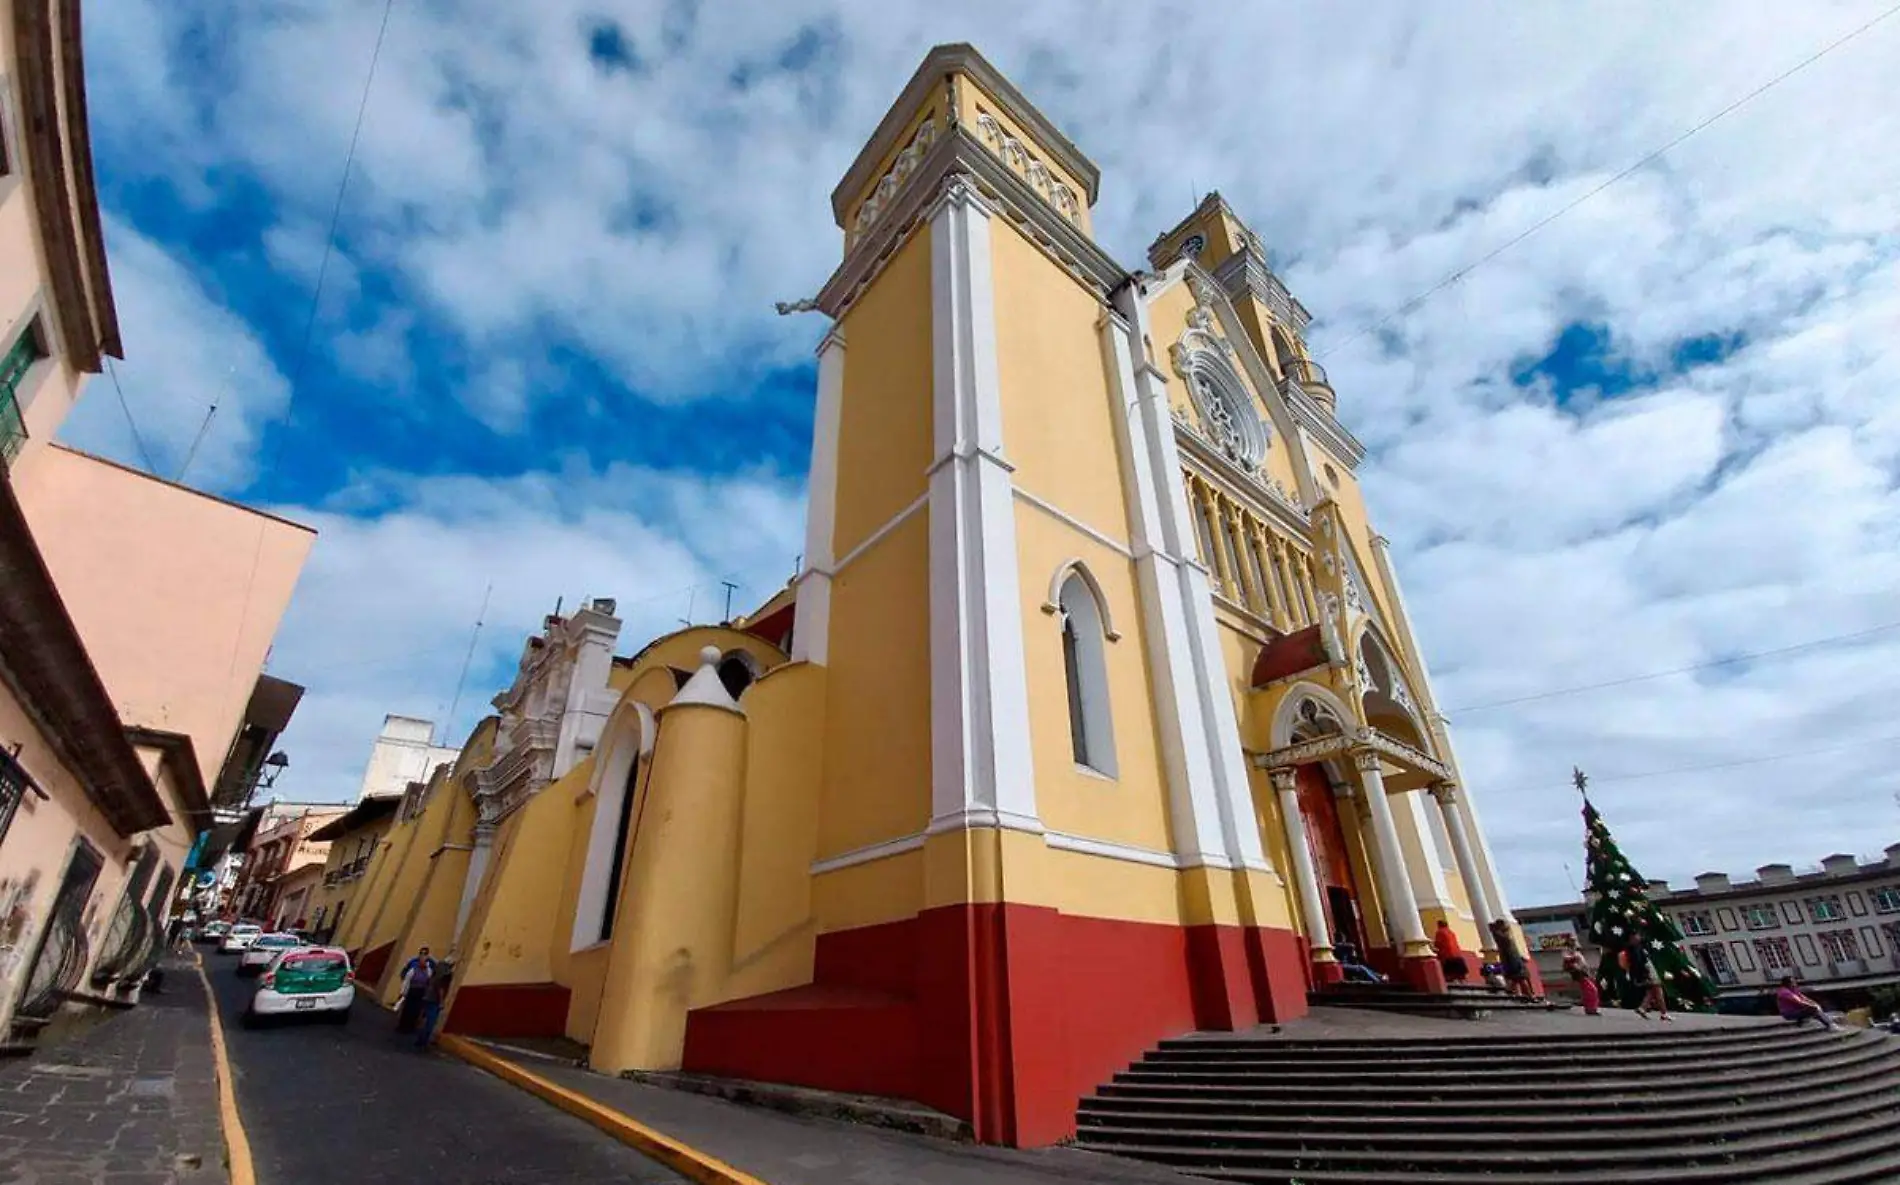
x,y
356,1104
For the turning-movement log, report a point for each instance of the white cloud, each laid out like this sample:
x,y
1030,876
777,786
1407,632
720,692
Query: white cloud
x,y
384,614
185,353
519,196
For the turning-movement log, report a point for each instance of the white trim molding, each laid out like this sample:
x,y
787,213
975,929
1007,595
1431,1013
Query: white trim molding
x,y
627,738
1076,566
869,853
811,615
981,761
1075,524
1063,841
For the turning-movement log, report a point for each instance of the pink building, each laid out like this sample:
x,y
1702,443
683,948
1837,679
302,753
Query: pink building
x,y
135,614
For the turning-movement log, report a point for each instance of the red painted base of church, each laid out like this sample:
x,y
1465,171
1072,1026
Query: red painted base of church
x,y
370,967
1003,1015
509,1010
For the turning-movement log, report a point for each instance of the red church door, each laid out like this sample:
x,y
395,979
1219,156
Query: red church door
x,y
1332,866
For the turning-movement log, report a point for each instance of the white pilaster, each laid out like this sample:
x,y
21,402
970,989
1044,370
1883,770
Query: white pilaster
x,y
472,883
1210,794
1401,907
1319,936
811,621
1481,912
1428,875
982,773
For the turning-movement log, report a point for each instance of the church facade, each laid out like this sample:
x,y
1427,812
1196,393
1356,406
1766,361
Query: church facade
x,y
1093,717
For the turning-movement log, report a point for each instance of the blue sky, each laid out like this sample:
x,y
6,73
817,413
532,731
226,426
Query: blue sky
x,y
1658,432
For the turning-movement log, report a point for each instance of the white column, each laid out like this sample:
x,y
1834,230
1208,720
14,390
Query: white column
x,y
982,773
811,617
1318,936
1159,543
1401,907
1447,796
1211,727
472,882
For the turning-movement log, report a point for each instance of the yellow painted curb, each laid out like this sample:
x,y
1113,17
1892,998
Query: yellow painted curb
x,y
237,1145
688,1162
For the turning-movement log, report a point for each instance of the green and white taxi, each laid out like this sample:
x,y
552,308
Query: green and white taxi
x,y
316,980
263,949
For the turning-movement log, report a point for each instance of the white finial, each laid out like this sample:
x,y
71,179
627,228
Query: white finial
x,y
706,688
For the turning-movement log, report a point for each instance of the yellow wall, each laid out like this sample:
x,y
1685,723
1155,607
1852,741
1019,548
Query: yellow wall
x,y
527,870
582,971
884,434
877,702
431,916
773,937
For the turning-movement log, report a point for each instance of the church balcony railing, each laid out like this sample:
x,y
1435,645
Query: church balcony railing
x,y
1310,377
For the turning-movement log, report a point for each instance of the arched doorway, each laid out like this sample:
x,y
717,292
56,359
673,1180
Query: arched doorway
x,y
1325,830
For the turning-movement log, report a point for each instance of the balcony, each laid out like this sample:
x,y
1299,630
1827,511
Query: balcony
x,y
12,428
1848,968
1310,377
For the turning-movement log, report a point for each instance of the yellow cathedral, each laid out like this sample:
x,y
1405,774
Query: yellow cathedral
x,y
1093,717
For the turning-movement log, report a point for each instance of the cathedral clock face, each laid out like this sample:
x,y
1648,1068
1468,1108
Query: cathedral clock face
x,y
1193,246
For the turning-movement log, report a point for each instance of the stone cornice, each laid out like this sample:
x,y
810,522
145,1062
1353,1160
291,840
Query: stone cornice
x,y
957,151
939,65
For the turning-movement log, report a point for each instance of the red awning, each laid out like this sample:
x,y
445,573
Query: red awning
x,y
1284,657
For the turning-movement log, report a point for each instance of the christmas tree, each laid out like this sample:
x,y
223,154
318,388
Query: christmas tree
x,y
1622,913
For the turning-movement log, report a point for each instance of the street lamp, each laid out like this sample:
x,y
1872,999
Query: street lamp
x,y
274,765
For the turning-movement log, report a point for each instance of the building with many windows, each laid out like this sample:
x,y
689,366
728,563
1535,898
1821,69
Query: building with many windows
x,y
1835,926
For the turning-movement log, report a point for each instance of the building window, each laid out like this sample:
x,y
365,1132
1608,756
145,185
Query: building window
x,y
1891,931
1840,946
1085,671
29,348
1826,909
1887,899
1761,917
1775,954
1697,923
1714,961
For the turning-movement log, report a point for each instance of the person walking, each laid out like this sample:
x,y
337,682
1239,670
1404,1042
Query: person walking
x,y
1517,975
1643,975
435,999
1579,973
416,975
1451,956
1798,1007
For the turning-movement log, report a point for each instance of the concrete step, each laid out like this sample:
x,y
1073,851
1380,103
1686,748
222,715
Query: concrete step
x,y
1874,1061
1658,1036
1368,1133
1766,1040
1598,1157
1870,1089
1416,1075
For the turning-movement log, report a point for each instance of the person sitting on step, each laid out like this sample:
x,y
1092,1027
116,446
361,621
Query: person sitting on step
x,y
1355,971
1798,1007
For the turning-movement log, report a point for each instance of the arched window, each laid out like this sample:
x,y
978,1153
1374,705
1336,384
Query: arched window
x,y
737,671
624,744
623,826
1085,671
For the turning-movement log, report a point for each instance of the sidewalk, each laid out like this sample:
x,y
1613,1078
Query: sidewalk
x,y
784,1149
132,1101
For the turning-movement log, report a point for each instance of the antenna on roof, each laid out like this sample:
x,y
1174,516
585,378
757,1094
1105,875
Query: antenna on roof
x,y
730,589
448,721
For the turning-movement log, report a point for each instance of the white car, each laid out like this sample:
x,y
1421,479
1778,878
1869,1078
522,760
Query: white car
x,y
239,937
308,979
263,949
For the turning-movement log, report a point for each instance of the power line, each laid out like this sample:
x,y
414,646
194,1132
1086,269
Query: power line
x,y
448,719
1738,763
329,238
1513,241
137,439
1712,664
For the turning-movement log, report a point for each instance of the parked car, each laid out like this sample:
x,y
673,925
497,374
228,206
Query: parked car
x,y
309,979
263,949
239,937
212,931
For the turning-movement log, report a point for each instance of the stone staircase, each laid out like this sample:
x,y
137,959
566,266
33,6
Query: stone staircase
x,y
1754,1103
1459,1001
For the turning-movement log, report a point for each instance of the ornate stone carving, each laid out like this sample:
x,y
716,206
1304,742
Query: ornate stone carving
x,y
1364,675
893,181
1355,599
1366,760
1012,153
1445,792
1284,779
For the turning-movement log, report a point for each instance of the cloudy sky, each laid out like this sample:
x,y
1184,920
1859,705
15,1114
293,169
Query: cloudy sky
x,y
1659,433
